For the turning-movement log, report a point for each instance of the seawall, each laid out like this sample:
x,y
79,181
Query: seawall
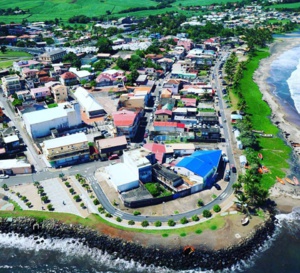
x,y
159,255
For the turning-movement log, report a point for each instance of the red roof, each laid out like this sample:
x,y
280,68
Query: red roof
x,y
168,124
124,118
158,149
163,112
68,75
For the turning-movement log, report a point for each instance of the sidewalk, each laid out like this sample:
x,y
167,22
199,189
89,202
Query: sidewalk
x,y
14,198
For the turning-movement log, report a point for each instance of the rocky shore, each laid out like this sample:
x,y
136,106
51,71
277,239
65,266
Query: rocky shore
x,y
159,255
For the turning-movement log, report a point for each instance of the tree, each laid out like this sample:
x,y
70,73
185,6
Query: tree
x,y
184,221
3,49
50,207
157,223
136,213
217,208
206,213
237,187
195,218
72,58
145,223
131,222
200,203
5,187
119,219
104,45
96,202
100,65
171,223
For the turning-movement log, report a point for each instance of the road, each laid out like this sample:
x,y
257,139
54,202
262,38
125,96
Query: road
x,y
88,170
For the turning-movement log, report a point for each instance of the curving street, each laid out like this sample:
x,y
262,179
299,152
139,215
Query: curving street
x,y
89,169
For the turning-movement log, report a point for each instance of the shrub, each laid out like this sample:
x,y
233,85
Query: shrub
x,y
184,221
96,202
182,234
50,207
36,183
198,231
108,215
119,219
5,186
131,222
45,199
171,223
200,203
157,223
28,204
213,227
165,235
82,205
217,208
195,218
23,198
72,191
68,184
101,209
145,223
206,213
136,213
77,198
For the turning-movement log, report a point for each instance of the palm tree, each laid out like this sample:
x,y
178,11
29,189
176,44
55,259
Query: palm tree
x,y
237,187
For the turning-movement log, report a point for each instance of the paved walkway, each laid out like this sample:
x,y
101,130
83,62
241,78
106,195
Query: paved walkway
x,y
57,194
14,198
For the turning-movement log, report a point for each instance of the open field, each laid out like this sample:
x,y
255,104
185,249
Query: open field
x,y
62,9
7,58
286,5
274,150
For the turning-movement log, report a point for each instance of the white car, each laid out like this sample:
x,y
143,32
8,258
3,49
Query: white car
x,y
3,176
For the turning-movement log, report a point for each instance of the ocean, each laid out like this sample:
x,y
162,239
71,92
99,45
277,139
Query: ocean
x,y
280,253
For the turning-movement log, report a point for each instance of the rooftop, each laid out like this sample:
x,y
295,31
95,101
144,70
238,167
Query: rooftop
x,y
112,142
65,141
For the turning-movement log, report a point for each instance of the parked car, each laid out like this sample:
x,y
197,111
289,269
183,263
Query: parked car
x,y
4,176
113,157
227,177
217,186
233,168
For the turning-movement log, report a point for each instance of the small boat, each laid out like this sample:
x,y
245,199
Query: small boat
x,y
188,250
289,181
265,169
296,181
260,156
245,221
280,180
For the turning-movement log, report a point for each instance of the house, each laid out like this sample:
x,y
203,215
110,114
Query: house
x,y
29,73
189,102
15,166
172,85
11,84
110,77
40,123
88,59
127,122
11,143
24,95
139,161
40,93
59,92
158,149
166,63
166,177
53,56
200,168
186,43
235,117
66,150
88,103
68,79
163,115
82,75
142,79
109,146
179,149
168,126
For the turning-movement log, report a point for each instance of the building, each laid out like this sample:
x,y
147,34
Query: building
x,y
68,79
15,166
11,84
166,177
82,75
65,116
11,143
122,179
109,146
67,150
40,93
139,161
60,93
53,56
127,122
88,103
158,149
168,126
163,115
200,168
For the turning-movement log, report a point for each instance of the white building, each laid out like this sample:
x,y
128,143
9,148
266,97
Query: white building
x,y
81,74
39,123
88,103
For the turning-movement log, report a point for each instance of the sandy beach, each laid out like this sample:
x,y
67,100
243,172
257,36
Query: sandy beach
x,y
290,131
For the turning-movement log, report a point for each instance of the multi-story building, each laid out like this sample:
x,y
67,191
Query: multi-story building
x,y
53,56
40,123
11,84
66,150
60,93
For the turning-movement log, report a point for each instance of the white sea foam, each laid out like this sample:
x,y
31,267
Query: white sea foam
x,y
294,86
74,248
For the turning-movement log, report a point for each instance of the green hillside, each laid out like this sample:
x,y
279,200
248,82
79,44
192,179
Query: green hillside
x,y
50,9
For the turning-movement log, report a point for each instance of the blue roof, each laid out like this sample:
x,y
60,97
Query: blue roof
x,y
201,162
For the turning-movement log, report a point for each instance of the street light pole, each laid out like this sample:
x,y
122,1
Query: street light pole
x,y
163,210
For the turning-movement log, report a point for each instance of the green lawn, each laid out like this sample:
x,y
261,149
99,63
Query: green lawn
x,y
287,5
276,153
42,10
93,221
7,58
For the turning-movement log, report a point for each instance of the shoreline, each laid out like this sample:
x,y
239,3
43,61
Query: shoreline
x,y
289,130
160,255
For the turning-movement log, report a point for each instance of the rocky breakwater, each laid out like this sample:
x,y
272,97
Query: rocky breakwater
x,y
158,256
